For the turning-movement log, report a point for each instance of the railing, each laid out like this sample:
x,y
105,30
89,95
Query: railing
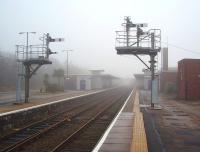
x,y
34,52
130,39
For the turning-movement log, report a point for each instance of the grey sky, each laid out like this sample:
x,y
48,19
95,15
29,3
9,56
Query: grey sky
x,y
89,26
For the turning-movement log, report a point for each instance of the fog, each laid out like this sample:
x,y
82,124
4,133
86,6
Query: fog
x,y
89,29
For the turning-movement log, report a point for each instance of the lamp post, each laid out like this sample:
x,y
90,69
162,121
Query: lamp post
x,y
67,61
21,73
27,34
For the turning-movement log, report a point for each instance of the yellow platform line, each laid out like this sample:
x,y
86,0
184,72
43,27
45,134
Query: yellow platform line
x,y
139,141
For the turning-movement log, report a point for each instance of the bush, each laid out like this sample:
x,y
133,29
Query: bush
x,y
170,88
54,88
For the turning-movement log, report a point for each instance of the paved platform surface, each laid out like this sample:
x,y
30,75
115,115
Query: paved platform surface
x,y
127,132
6,100
175,128
120,137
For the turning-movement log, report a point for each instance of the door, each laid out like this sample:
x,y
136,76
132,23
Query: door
x,y
82,84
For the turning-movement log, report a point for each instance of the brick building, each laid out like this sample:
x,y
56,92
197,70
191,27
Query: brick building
x,y
189,79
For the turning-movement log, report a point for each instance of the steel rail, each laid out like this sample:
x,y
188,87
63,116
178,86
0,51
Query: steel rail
x,y
82,127
37,123
21,143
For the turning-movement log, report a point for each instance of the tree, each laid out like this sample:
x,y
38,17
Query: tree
x,y
46,81
58,73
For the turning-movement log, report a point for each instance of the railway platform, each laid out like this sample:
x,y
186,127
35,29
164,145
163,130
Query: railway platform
x,y
126,133
38,99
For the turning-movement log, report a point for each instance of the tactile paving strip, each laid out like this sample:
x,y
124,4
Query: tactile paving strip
x,y
139,141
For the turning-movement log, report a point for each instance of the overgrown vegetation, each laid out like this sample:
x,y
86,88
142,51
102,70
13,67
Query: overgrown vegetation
x,y
7,71
59,74
54,74
52,87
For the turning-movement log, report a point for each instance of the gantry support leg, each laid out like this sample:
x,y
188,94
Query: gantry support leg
x,y
152,62
27,77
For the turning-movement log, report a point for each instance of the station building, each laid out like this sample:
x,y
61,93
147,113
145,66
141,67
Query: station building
x,y
139,81
183,81
95,80
168,79
165,79
167,76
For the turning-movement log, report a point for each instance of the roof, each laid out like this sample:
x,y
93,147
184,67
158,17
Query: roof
x,y
189,60
139,75
93,75
80,74
96,72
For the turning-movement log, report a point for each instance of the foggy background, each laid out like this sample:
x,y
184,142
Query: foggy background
x,y
89,26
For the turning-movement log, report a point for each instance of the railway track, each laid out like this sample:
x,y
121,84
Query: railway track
x,y
36,128
86,136
77,115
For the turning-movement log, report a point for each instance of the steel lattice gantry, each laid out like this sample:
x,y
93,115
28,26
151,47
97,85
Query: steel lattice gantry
x,y
133,40
30,58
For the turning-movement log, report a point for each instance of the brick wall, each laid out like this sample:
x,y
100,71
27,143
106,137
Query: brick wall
x,y
189,79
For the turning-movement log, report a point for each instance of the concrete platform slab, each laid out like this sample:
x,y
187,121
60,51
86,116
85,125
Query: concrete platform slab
x,y
121,129
117,141
127,133
120,137
121,147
